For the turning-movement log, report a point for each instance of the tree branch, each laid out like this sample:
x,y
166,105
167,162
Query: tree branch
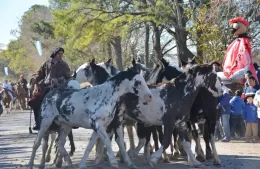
x,y
167,43
169,50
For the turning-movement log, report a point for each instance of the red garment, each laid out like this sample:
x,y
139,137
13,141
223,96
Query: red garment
x,y
238,56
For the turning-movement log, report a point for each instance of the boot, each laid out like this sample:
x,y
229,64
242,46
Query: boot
x,y
36,126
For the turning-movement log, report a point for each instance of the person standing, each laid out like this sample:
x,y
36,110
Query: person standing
x,y
237,111
250,117
225,110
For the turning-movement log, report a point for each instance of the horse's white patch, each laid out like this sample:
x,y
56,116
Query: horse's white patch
x,y
73,84
81,77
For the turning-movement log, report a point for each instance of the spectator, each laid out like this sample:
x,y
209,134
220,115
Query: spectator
x,y
257,71
253,87
237,110
225,109
257,104
247,75
250,117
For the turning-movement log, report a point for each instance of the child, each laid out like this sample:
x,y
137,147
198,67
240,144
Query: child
x,y
237,110
224,108
250,117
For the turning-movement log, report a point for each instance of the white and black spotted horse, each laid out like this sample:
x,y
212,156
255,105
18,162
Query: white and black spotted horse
x,y
90,108
83,74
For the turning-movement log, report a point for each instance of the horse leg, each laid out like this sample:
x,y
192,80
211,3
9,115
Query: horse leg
x,y
106,140
44,150
72,145
160,132
141,133
176,154
120,141
64,132
88,149
48,157
45,124
184,137
131,136
211,126
199,152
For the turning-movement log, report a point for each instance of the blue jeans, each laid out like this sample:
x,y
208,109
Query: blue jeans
x,y
225,125
237,125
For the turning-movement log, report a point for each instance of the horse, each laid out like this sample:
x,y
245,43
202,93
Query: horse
x,y
7,99
21,96
167,107
73,107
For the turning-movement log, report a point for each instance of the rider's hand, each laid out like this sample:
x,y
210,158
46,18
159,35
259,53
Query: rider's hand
x,y
36,89
54,82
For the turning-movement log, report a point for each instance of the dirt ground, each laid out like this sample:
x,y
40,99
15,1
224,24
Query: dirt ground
x,y
16,143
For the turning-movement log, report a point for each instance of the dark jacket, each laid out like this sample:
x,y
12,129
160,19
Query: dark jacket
x,y
23,82
50,70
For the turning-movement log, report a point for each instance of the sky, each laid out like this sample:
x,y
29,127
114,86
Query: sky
x,y
11,12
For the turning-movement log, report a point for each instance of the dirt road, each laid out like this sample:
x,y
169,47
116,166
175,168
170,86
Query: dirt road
x,y
16,143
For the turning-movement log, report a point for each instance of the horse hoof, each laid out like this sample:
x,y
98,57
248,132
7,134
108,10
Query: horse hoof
x,y
132,166
41,167
71,154
200,158
118,154
59,164
48,159
209,156
114,165
216,163
166,160
152,164
175,156
196,164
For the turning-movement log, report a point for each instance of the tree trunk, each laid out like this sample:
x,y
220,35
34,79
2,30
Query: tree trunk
x,y
146,47
109,50
157,41
183,52
116,42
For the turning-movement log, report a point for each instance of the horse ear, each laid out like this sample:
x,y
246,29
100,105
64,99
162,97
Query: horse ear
x,y
108,62
74,74
183,63
92,61
133,62
193,61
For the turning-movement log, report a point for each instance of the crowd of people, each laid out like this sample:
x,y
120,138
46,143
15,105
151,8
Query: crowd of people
x,y
240,114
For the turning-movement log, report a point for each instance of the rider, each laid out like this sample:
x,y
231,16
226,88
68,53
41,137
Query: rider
x,y
53,72
23,82
32,83
7,86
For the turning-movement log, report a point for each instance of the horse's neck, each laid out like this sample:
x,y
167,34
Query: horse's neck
x,y
111,91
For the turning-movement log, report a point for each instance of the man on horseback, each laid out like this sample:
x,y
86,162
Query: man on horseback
x,y
51,74
7,86
23,82
31,84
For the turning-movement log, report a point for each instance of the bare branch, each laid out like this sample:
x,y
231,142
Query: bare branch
x,y
169,50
